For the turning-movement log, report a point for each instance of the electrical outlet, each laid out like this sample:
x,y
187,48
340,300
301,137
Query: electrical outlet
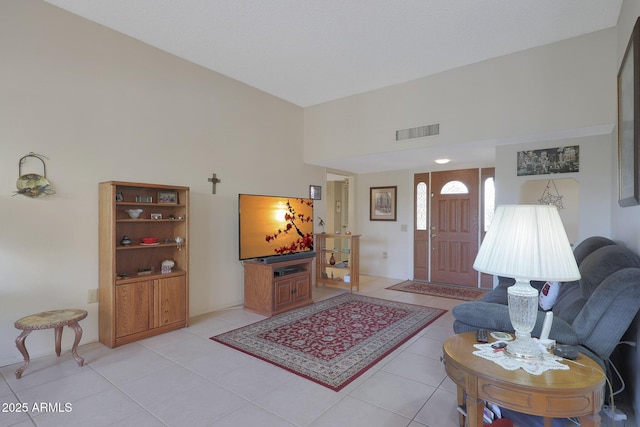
x,y
92,296
384,255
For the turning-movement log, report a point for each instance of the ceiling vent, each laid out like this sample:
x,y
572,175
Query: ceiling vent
x,y
419,132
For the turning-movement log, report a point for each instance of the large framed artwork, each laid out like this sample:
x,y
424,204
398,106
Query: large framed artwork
x,y
549,160
629,122
383,203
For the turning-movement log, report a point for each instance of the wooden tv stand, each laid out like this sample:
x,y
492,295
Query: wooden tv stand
x,y
274,288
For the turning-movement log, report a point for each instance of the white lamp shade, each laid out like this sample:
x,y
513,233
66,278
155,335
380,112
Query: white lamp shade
x,y
527,242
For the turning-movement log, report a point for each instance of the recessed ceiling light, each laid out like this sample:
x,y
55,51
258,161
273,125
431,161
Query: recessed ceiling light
x,y
442,161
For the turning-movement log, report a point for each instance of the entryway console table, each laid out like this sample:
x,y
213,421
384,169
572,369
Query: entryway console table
x,y
340,263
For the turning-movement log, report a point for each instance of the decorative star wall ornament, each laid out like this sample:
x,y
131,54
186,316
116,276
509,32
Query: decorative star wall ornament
x,y
551,196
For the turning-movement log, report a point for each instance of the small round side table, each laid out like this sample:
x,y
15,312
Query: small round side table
x,y
47,320
576,392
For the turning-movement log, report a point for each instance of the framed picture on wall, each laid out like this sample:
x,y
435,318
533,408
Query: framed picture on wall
x,y
383,203
549,160
315,192
629,122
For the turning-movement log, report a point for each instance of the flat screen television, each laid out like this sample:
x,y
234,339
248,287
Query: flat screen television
x,y
275,228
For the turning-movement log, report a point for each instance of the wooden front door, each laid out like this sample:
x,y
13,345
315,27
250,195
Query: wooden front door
x,y
454,226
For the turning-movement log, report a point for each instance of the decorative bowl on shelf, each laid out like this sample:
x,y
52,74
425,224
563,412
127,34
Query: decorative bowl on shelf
x,y
133,213
149,240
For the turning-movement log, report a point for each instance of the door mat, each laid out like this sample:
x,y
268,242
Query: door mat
x,y
440,290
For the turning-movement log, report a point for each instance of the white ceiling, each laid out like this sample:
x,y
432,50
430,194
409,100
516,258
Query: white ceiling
x,y
312,51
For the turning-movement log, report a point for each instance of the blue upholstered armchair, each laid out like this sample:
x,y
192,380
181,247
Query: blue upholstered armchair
x,y
592,313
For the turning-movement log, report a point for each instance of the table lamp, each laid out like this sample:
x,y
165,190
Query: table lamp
x,y
526,242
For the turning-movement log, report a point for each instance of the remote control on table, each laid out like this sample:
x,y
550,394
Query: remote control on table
x,y
481,336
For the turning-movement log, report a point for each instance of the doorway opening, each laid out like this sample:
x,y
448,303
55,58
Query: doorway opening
x,y
339,204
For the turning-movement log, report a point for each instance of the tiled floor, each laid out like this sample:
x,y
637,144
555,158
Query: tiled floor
x,y
184,379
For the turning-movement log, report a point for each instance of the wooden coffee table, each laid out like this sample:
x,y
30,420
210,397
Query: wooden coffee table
x,y
54,319
576,392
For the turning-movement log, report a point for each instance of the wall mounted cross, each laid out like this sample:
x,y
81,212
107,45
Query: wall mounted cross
x,y
213,180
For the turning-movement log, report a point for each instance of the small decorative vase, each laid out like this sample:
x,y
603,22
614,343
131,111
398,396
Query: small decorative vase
x,y
125,241
332,260
166,266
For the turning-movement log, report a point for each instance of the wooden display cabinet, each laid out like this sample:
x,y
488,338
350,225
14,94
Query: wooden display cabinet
x,y
345,249
274,288
136,299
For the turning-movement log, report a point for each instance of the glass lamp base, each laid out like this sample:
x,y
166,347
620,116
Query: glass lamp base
x,y
523,311
523,349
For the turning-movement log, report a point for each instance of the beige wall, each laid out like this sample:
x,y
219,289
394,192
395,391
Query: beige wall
x,y
565,85
626,227
594,181
103,106
567,188
386,236
565,88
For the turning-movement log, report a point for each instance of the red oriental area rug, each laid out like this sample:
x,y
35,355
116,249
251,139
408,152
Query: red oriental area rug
x,y
334,341
440,290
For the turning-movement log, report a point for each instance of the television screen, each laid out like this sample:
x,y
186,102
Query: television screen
x,y
274,225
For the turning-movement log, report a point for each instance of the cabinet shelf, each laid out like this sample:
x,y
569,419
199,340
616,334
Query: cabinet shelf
x,y
346,252
334,282
142,204
135,277
131,220
159,245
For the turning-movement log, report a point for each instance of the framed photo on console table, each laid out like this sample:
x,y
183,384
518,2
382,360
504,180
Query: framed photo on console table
x,y
629,122
383,203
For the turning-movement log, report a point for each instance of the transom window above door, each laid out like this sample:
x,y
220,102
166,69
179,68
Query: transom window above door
x,y
454,187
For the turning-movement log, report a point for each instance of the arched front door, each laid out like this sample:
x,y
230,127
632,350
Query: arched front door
x,y
454,226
